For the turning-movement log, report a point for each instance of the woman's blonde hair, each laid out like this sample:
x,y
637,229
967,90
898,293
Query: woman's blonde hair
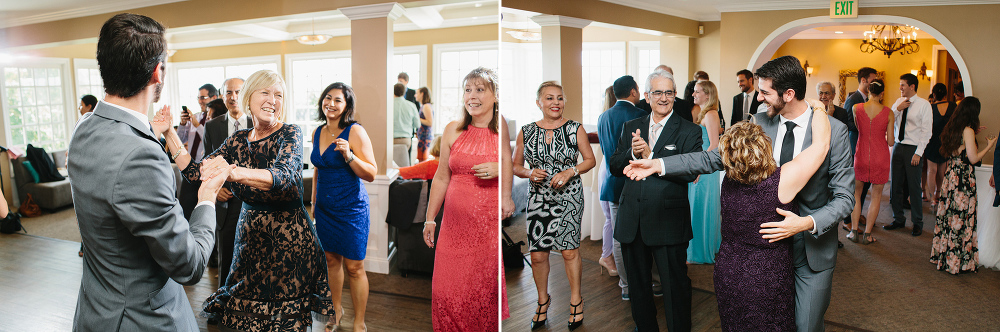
x,y
713,99
746,153
262,79
490,79
436,147
538,95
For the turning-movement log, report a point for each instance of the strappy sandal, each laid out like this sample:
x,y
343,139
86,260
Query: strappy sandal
x,y
335,323
572,314
868,239
535,324
853,236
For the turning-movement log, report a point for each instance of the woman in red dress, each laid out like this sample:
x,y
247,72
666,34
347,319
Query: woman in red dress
x,y
871,162
465,287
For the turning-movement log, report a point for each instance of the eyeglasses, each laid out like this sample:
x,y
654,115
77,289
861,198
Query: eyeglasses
x,y
657,94
204,97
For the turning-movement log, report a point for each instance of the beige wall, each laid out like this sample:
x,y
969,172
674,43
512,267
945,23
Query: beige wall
x,y
827,57
969,28
705,55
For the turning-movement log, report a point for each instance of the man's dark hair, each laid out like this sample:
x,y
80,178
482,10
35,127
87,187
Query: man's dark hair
x,y
864,72
212,91
623,86
89,100
910,80
746,74
216,107
702,75
959,88
128,50
785,73
398,90
404,76
346,118
939,91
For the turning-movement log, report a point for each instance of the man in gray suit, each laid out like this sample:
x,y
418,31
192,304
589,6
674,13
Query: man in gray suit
x,y
139,248
826,198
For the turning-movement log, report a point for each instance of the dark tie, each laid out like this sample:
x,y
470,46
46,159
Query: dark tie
x,y
197,139
787,144
902,125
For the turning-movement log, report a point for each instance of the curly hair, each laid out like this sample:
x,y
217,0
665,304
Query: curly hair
x,y
746,153
966,116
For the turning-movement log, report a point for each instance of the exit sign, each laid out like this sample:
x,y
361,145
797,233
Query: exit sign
x,y
843,8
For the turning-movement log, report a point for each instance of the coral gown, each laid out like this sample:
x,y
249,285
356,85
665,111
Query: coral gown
x,y
465,286
871,161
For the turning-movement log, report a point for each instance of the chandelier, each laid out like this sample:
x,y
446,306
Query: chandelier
x,y
889,39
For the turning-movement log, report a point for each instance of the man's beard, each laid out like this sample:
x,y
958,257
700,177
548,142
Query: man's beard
x,y
774,109
157,91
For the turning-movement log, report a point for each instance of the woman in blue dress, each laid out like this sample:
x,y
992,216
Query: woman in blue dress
x,y
704,192
343,156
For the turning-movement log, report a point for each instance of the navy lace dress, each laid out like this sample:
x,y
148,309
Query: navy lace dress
x,y
754,279
279,273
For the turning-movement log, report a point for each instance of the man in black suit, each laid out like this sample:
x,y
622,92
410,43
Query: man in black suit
x,y
654,219
410,95
227,206
683,107
744,107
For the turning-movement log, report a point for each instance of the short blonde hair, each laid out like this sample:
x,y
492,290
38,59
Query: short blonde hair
x,y
546,84
436,147
746,153
262,79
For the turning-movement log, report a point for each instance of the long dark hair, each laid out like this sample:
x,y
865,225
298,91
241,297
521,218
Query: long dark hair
x,y
489,77
966,116
347,118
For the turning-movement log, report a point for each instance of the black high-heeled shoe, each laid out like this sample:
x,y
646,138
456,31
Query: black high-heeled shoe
x,y
572,314
535,324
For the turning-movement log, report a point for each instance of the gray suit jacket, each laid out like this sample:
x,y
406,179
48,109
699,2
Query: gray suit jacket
x,y
139,248
827,197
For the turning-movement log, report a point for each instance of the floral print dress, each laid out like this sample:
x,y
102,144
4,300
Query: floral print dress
x,y
954,246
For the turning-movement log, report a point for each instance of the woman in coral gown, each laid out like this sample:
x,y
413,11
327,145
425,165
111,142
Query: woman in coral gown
x,y
465,290
871,161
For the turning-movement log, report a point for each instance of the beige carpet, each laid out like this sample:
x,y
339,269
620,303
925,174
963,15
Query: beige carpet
x,y
60,224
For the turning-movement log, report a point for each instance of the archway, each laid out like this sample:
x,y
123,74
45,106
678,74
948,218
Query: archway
x,y
778,37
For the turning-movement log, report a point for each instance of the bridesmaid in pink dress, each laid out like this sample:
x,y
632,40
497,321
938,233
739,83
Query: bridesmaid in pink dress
x,y
871,162
466,286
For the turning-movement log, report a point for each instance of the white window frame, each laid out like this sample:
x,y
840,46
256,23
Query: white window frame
x,y
173,91
457,47
522,86
591,46
633,56
290,90
417,49
68,85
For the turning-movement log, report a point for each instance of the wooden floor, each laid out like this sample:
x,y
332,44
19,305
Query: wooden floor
x,y
40,281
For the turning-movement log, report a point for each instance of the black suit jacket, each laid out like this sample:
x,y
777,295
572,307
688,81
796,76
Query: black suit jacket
x,y
681,107
411,96
853,98
657,206
737,115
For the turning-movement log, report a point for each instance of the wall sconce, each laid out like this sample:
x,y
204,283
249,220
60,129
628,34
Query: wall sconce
x,y
807,68
923,72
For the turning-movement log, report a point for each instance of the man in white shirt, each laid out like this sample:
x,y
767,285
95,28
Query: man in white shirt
x,y
191,131
912,130
745,103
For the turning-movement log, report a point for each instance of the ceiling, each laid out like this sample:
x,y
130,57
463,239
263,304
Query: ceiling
x,y
418,16
710,10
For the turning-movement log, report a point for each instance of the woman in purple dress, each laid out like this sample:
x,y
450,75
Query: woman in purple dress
x,y
754,278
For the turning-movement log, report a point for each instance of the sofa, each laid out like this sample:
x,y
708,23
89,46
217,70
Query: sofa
x,y
48,195
408,205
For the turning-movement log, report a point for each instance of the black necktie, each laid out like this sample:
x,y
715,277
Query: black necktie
x,y
787,144
902,125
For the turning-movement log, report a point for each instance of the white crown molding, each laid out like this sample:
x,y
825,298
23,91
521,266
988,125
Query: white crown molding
x,y
83,11
666,10
793,5
392,10
564,21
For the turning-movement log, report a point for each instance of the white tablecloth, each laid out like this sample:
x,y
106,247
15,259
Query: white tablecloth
x,y
989,219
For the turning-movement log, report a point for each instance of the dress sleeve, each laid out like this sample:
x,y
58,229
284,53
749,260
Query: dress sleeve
x,y
287,170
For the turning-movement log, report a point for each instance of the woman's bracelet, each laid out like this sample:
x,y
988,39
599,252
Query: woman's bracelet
x,y
575,171
351,159
430,222
180,150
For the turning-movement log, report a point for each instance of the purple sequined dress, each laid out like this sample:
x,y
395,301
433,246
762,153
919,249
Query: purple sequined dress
x,y
754,278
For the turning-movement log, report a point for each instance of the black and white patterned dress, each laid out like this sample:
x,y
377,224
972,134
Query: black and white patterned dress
x,y
553,215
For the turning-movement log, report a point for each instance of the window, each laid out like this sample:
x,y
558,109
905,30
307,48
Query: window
x,y
412,61
517,99
452,62
603,63
644,56
88,80
34,104
310,74
192,75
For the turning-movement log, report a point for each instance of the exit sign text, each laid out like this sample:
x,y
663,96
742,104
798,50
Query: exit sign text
x,y
843,8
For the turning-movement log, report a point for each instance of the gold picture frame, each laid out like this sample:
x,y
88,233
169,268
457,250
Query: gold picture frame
x,y
846,73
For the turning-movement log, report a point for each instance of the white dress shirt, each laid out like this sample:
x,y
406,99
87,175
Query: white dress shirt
x,y
919,123
187,131
141,116
801,124
242,120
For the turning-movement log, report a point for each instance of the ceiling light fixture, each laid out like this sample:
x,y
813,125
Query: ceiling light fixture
x,y
838,32
313,39
890,39
524,35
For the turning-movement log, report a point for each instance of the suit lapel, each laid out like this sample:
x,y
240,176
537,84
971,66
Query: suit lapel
x,y
644,128
770,125
806,141
667,134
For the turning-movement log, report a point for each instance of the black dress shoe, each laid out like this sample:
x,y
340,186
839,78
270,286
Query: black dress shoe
x,y
917,232
892,226
213,319
840,244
